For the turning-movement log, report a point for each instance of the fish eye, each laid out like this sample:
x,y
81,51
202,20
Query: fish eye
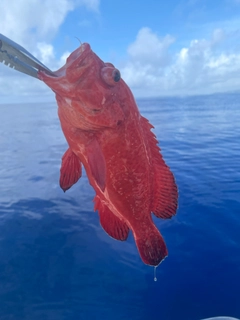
x,y
110,75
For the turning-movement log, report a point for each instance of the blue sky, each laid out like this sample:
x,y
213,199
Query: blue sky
x,y
162,48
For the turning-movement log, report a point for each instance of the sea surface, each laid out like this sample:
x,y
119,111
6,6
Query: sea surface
x,y
57,263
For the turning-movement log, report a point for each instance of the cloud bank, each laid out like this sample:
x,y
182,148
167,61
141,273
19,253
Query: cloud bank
x,y
202,67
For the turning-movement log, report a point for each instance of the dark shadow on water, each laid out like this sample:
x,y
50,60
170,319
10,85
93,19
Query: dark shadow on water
x,y
55,267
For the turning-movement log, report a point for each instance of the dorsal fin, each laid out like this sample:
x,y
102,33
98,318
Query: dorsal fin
x,y
165,193
71,170
114,227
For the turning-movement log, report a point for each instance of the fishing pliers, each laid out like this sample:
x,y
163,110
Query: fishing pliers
x,y
18,58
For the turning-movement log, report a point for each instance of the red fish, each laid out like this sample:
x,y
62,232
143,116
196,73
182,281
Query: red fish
x,y
108,136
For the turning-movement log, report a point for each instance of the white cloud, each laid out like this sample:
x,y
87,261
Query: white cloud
x,y
200,68
24,21
147,56
149,48
46,52
90,4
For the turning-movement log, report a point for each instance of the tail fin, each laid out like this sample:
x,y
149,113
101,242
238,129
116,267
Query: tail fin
x,y
151,246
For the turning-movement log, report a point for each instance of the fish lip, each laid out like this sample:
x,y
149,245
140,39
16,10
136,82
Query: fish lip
x,y
78,56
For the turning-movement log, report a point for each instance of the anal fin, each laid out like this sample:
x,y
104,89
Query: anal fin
x,y
114,227
71,170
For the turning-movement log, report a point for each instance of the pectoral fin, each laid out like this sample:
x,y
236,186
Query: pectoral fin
x,y
71,170
96,163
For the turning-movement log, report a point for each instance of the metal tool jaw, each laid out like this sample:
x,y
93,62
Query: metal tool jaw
x,y
18,58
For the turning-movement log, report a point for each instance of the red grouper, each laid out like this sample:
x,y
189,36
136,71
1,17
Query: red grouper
x,y
106,133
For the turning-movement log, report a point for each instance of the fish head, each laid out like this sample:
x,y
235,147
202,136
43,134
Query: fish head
x,y
88,89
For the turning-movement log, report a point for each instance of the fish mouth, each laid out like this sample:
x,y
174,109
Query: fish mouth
x,y
74,60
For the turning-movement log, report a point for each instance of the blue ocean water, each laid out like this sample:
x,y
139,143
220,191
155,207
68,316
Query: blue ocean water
x,y
57,263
